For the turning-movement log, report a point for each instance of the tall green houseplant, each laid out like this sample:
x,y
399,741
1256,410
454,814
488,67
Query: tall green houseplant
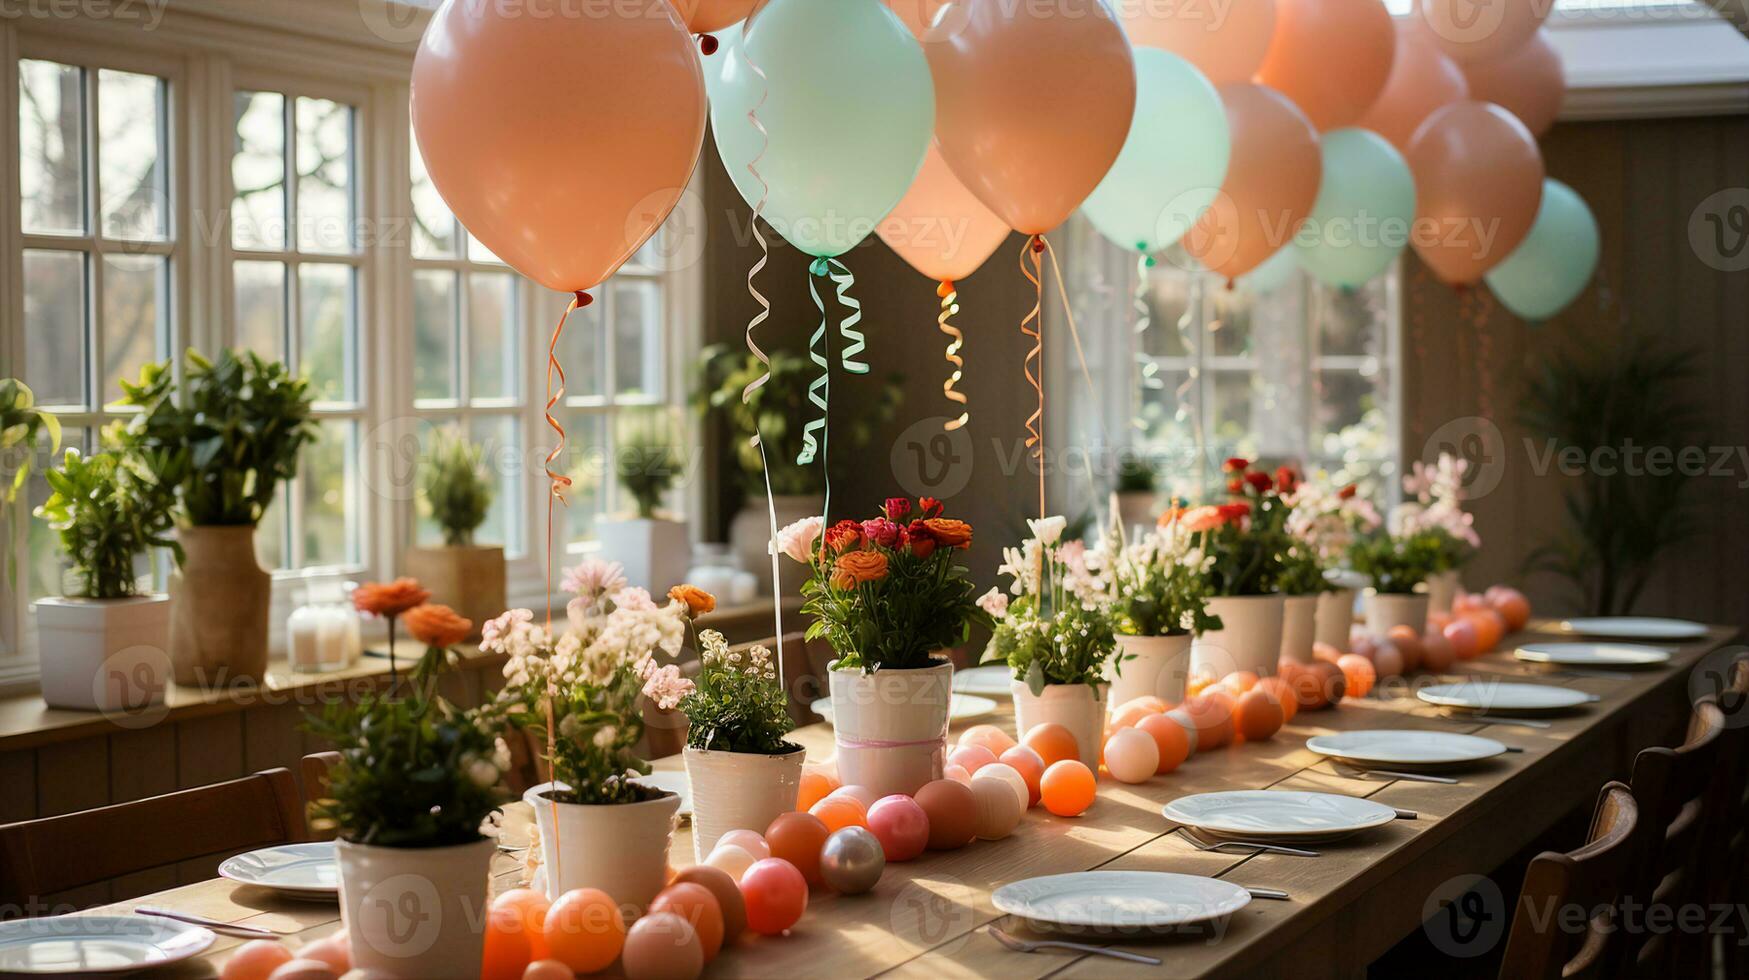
x,y
455,488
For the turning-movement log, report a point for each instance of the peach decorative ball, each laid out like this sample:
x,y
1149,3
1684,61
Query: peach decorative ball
x,y
971,758
1031,768
1461,634
1006,773
797,838
1239,681
731,860
1182,717
838,812
956,773
952,812
1510,604
255,959
751,841
1437,655
1171,741
998,809
1052,742
1361,642
1407,640
663,946
303,970
776,894
990,737
816,783
531,907
1130,713
1131,755
1258,715
548,970
900,825
727,893
584,930
861,794
1283,693
1490,628
509,946
1388,661
1324,651
336,951
1212,712
697,905
1358,675
1068,788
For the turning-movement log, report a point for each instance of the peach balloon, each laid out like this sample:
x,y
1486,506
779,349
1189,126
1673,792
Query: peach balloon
x,y
1478,183
704,16
1479,30
1270,186
941,229
917,14
1528,82
1331,57
1227,46
539,146
1423,80
1031,106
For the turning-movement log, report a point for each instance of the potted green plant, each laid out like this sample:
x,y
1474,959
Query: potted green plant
x,y
1321,526
1137,483
655,548
225,438
1056,634
744,773
1437,513
891,598
1398,564
1243,540
105,644
1159,600
455,492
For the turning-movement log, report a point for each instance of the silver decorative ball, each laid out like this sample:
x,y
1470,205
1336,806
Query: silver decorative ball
x,y
851,861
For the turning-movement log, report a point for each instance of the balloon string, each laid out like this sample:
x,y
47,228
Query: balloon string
x,y
1186,392
855,342
1080,358
1147,370
819,391
556,493
1485,348
1032,325
956,339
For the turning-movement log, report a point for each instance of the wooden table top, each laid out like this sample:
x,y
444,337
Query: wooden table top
x,y
925,918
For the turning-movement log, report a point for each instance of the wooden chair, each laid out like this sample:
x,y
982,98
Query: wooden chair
x,y
1726,881
57,854
1672,786
314,769
1549,939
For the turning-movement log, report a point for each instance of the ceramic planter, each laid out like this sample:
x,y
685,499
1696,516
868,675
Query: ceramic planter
x,y
466,578
750,537
416,912
890,726
219,601
1442,588
1249,637
1135,508
739,791
655,553
1157,665
1299,617
1334,618
1077,707
109,655
620,848
1387,609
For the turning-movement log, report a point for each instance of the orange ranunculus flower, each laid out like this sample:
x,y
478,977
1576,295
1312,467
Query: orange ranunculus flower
x,y
389,598
1205,518
1169,516
948,532
856,567
698,601
438,626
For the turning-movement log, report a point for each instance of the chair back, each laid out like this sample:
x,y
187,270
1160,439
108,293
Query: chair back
x,y
1672,786
57,854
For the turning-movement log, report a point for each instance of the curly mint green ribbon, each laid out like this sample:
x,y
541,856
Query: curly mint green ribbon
x,y
855,343
819,392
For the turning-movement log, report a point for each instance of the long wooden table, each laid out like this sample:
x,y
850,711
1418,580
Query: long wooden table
x,y
1346,908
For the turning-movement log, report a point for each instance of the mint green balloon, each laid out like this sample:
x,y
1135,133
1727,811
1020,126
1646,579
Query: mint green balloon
x,y
1173,162
1555,262
1365,208
850,109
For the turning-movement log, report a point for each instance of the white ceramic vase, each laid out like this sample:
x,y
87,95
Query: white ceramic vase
x,y
890,726
1077,707
1387,609
1442,588
1334,619
1299,621
620,848
738,791
416,912
109,655
1249,637
1157,665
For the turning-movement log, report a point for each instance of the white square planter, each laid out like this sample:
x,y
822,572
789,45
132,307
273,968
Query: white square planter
x,y
655,553
107,655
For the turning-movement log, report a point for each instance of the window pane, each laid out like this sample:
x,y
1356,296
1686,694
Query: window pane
x,y
1229,327
637,332
480,253
54,326
586,457
434,335
133,321
270,534
326,477
324,176
433,225
130,151
491,336
258,172
1353,321
502,456
51,147
325,297
259,288
581,348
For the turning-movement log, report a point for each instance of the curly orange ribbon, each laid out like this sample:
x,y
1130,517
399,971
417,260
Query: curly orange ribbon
x,y
1035,423
956,339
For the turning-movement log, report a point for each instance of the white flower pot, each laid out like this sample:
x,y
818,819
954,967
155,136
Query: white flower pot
x,y
1299,618
1442,588
1249,637
1387,609
739,791
1334,618
620,848
109,655
890,726
1157,665
655,553
1076,707
416,912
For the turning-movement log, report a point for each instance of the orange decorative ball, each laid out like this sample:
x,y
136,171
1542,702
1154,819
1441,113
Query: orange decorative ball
x,y
1212,713
816,785
1031,768
1257,715
1358,675
695,904
515,930
1130,713
990,737
1283,692
1239,681
584,930
1052,742
1325,652
1068,788
797,838
1170,738
1407,640
839,812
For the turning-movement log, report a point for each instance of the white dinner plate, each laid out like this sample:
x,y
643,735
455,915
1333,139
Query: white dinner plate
x,y
1635,628
306,871
1593,654
990,681
1120,901
1406,748
961,708
1504,698
80,945
1267,814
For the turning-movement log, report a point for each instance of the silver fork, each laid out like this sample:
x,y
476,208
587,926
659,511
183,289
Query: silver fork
x,y
1345,769
1204,844
1033,946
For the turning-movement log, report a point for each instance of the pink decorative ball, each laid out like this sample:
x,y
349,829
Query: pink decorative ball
x,y
900,825
971,758
776,895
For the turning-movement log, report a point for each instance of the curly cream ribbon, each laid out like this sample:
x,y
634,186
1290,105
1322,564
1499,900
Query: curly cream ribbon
x,y
956,339
1035,423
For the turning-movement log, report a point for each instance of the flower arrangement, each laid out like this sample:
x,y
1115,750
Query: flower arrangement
x,y
883,592
1057,628
1158,584
388,600
599,670
1395,563
1321,525
107,514
737,703
1437,513
1243,538
454,487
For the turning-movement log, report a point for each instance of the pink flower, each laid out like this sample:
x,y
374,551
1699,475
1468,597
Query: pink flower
x,y
664,685
882,531
594,577
896,508
994,602
797,540
634,598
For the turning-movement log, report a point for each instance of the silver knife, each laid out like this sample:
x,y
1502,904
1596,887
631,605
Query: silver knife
x,y
214,924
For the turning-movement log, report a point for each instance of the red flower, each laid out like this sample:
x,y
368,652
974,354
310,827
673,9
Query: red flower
x,y
1286,479
1235,486
1347,492
1259,481
922,545
844,536
882,531
1235,464
1235,512
930,506
896,508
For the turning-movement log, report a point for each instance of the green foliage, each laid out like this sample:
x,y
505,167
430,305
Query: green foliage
x,y
1396,564
1136,474
413,772
107,514
647,466
20,424
455,487
226,437
1300,572
1157,585
1636,394
1068,646
738,704
599,725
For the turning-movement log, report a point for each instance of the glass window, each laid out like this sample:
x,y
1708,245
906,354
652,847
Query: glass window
x,y
51,147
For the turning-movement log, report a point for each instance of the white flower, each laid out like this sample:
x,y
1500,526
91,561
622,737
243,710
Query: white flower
x,y
994,603
1048,530
797,540
482,772
604,736
712,646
